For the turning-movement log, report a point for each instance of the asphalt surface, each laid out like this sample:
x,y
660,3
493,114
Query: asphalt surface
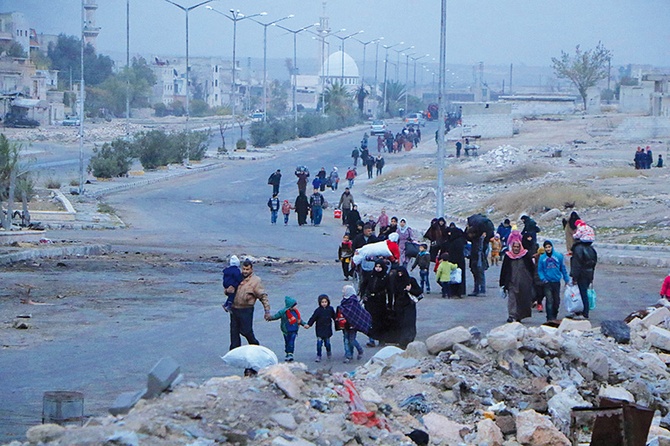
x,y
222,212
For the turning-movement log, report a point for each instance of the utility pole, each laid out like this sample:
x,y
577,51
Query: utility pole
x,y
441,149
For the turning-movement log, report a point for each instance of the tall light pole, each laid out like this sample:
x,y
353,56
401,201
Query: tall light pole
x,y
377,60
407,80
397,67
127,69
235,15
294,81
188,91
343,39
365,45
265,61
323,34
441,149
415,59
81,102
386,60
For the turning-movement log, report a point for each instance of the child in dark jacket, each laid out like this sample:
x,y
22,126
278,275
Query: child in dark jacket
x,y
290,323
324,316
344,254
423,262
232,277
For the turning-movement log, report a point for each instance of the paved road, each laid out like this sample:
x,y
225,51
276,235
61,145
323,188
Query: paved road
x,y
223,212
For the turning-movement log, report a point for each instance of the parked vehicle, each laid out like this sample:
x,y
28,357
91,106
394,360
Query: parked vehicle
x,y
378,127
72,121
415,119
20,121
257,116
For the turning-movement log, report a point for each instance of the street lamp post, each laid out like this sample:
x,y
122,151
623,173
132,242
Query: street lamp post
x,y
188,92
265,61
397,67
321,34
343,39
127,69
407,80
235,16
377,60
81,104
441,148
386,59
295,33
415,59
365,45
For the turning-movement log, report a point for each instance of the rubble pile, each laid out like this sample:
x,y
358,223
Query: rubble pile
x,y
503,156
515,386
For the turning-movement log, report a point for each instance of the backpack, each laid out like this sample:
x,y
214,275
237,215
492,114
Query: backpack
x,y
340,321
590,258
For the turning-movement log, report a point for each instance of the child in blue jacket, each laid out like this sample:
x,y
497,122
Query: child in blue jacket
x,y
232,276
290,323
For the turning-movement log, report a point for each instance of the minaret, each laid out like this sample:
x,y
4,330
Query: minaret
x,y
90,30
323,29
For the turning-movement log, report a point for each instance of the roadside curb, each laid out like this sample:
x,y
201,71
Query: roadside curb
x,y
77,251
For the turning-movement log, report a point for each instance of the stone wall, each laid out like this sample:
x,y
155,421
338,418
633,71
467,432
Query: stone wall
x,y
643,127
488,120
636,98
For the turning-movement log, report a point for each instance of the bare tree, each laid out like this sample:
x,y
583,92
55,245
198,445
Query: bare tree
x,y
584,68
223,127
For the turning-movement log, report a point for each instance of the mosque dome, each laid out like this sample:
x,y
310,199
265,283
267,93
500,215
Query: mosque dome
x,y
333,66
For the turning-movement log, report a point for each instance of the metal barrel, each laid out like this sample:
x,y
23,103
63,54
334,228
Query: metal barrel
x,y
63,408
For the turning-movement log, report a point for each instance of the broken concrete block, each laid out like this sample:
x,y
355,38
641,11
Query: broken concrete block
x,y
469,354
616,392
443,429
533,428
618,330
44,433
123,438
282,376
659,338
656,317
445,340
416,349
161,376
574,325
501,341
126,401
516,328
489,433
597,363
285,420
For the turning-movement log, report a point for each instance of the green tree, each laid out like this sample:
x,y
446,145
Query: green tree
x,y
278,100
13,49
338,101
360,95
65,57
41,61
395,96
584,69
111,159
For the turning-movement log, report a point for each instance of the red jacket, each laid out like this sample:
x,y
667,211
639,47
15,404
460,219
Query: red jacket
x,y
665,288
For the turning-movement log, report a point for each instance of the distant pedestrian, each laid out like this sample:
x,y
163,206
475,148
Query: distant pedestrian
x,y
302,173
301,208
370,165
316,205
379,164
346,204
496,247
242,312
273,204
286,211
422,260
665,288
290,323
344,254
334,178
459,146
583,262
443,275
323,317
516,278
321,175
660,161
274,180
648,158
351,176
355,154
383,221
529,233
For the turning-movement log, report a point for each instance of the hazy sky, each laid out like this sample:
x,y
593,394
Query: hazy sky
x,y
527,32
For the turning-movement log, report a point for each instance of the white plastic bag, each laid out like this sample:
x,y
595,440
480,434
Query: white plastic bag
x,y
572,300
254,357
456,276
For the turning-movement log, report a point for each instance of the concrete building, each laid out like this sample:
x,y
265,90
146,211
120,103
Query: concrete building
x,y
538,105
14,27
486,119
650,97
91,31
331,71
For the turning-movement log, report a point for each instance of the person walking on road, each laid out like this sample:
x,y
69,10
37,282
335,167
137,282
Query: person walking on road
x,y
242,312
583,262
316,204
516,278
351,176
274,181
302,173
355,154
379,164
551,268
302,208
346,204
273,204
334,178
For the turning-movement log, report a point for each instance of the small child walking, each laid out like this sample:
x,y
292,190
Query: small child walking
x,y
232,277
423,262
496,246
351,318
323,316
443,274
286,211
290,322
344,254
273,204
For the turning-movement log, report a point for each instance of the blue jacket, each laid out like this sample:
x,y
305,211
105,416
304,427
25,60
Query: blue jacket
x,y
552,268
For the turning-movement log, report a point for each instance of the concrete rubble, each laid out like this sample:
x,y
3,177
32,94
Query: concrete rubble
x,y
515,386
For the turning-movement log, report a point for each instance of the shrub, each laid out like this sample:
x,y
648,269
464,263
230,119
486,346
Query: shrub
x,y
198,107
197,144
241,144
161,110
111,159
52,183
153,149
